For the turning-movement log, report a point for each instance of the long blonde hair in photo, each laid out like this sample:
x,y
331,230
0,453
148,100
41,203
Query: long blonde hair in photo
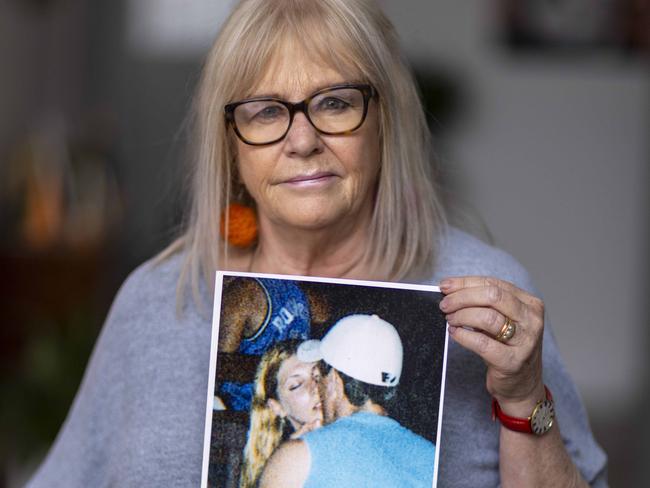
x,y
266,428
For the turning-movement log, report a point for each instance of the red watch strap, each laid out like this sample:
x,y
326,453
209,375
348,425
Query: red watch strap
x,y
515,423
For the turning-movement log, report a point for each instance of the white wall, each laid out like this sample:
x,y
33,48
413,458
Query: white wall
x,y
554,155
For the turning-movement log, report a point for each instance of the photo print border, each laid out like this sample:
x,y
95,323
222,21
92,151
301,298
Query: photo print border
x,y
412,309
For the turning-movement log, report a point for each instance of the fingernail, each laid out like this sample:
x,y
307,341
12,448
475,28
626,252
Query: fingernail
x,y
444,303
445,284
452,329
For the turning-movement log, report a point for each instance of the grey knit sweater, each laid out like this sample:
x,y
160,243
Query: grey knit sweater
x,y
138,418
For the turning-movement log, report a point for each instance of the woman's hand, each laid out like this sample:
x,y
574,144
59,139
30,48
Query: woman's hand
x,y
477,308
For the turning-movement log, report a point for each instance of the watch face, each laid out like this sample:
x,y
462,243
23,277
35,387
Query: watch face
x,y
542,419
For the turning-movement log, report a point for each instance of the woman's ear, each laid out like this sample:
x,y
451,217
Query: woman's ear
x,y
275,407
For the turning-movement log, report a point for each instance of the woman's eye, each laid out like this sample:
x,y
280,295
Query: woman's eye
x,y
268,113
333,104
294,386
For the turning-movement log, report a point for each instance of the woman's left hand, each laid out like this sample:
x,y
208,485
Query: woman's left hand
x,y
477,309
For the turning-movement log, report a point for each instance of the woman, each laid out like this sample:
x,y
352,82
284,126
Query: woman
x,y
306,108
286,405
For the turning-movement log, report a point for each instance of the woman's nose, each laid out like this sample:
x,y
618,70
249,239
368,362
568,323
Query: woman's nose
x,y
303,140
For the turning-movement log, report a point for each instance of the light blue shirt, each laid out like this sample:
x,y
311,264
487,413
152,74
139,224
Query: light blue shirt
x,y
369,450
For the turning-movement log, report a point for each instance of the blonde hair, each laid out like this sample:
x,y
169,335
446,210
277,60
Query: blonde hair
x,y
355,37
266,428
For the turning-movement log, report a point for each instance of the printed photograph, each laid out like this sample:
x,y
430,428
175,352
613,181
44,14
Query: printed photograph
x,y
321,382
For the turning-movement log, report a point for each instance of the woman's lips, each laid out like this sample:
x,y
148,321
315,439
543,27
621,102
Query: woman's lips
x,y
310,180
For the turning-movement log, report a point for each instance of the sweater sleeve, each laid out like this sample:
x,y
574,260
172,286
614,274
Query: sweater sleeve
x,y
571,414
466,392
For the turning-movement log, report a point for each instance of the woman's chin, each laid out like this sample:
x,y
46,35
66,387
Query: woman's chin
x,y
308,218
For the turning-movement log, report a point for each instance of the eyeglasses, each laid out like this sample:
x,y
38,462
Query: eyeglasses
x,y
339,109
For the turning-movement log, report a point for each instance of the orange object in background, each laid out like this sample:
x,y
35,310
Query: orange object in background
x,y
43,221
59,190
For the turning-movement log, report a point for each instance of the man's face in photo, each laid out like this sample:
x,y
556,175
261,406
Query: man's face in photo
x,y
327,391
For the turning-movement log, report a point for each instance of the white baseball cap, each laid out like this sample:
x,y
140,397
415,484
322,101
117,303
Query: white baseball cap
x,y
364,347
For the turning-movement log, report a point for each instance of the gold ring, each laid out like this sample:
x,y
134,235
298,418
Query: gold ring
x,y
507,331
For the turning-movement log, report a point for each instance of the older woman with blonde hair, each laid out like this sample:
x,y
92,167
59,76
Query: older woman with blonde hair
x,y
307,114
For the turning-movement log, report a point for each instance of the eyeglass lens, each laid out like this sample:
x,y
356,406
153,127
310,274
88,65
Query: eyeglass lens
x,y
333,112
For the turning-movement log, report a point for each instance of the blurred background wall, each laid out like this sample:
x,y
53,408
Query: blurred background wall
x,y
541,114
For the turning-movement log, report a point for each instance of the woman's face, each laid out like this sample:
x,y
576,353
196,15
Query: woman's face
x,y
298,398
310,180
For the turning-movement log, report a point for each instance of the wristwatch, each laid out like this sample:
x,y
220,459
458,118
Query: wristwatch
x,y
539,422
